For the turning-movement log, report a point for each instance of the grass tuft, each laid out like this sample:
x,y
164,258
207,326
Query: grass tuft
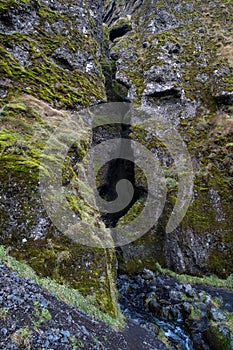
x,y
213,280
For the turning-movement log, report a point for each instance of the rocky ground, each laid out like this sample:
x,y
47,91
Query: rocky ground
x,y
32,318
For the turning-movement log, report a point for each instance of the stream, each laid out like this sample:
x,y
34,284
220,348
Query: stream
x,y
134,294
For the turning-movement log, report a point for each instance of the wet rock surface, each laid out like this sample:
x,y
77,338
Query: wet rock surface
x,y
189,316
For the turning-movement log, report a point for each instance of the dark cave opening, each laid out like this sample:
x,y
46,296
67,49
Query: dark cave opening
x,y
116,170
119,32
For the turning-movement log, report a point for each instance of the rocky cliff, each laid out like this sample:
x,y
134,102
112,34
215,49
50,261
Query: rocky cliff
x,y
174,57
50,66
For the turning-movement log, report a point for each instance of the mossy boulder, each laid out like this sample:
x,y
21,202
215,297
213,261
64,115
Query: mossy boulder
x,y
219,337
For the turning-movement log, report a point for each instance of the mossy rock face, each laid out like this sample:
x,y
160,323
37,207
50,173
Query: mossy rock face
x,y
26,229
145,251
190,38
51,52
202,243
177,60
219,337
204,238
50,59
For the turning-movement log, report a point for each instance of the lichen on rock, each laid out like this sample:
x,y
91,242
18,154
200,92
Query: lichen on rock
x,y
177,60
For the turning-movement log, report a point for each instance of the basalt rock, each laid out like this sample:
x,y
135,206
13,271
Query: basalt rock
x,y
207,320
176,62
52,49
176,59
50,67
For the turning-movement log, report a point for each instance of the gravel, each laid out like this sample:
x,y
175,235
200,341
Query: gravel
x,y
33,318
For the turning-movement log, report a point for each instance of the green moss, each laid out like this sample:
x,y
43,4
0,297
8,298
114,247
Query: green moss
x,y
218,338
42,77
91,271
212,280
210,213
195,312
115,91
199,53
132,213
6,4
27,123
119,91
229,319
145,252
50,83
64,292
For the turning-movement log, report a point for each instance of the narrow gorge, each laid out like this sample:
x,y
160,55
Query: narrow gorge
x,y
145,63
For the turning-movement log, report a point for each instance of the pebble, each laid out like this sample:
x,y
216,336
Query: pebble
x,y
84,330
147,274
4,331
207,299
216,315
19,295
187,307
189,290
65,333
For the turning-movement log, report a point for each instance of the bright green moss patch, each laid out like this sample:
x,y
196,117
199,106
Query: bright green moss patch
x,y
49,82
23,134
36,70
6,4
212,280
